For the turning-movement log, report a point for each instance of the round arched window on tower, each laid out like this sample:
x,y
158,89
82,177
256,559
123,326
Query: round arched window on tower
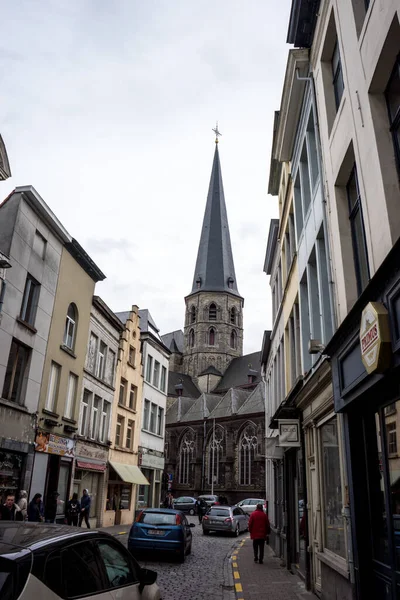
x,y
233,339
191,338
211,337
193,314
212,312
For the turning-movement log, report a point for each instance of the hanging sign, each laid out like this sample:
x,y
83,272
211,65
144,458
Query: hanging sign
x,y
54,444
289,433
375,342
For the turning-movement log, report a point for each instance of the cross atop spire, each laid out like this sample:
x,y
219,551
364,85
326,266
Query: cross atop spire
x,y
217,133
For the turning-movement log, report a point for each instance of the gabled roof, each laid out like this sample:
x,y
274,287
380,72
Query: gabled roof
x,y
230,403
211,370
189,389
174,341
237,372
179,408
202,407
255,402
123,316
147,323
214,266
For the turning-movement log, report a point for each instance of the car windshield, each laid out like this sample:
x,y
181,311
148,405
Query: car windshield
x,y
158,518
219,512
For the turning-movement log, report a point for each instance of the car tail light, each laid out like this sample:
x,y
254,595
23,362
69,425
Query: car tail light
x,y
138,517
205,518
216,503
228,520
178,520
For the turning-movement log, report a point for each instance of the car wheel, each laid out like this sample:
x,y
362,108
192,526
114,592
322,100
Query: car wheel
x,y
191,511
237,531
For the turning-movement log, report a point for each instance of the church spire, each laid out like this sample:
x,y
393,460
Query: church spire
x,y
215,271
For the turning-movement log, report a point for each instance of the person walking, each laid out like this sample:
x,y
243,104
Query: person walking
x,y
85,508
259,528
23,506
169,501
35,509
50,509
9,510
73,510
202,507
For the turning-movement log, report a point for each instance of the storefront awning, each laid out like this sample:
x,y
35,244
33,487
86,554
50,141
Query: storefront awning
x,y
89,466
130,473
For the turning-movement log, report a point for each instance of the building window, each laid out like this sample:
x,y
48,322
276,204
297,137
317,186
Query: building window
x,y
156,374
146,414
338,83
105,421
357,232
30,300
129,435
149,368
132,356
94,424
214,456
191,338
132,397
84,412
233,339
247,450
163,378
70,327
101,360
193,315
71,396
122,392
390,409
111,367
391,437
211,337
39,245
119,431
160,421
52,390
233,316
186,451
212,312
15,372
153,417
230,283
392,95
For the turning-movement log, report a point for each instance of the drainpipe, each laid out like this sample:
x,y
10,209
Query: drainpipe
x,y
265,436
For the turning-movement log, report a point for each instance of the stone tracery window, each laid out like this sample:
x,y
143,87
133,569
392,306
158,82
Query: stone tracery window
x,y
214,455
233,341
186,452
247,451
211,337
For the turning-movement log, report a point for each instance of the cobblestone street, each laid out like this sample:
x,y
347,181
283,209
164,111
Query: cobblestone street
x,y
206,572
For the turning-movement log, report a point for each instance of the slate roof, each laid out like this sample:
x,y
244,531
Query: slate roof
x,y
123,316
201,408
255,402
214,263
236,375
211,370
174,340
230,403
178,409
189,389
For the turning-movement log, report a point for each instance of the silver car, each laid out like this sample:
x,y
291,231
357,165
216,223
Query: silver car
x,y
230,519
250,504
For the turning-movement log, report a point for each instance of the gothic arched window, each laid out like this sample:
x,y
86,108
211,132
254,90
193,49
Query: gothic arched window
x,y
233,315
193,315
211,337
214,456
212,312
191,338
186,451
247,451
233,339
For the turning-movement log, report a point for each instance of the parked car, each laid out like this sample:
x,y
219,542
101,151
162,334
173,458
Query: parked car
x,y
250,504
161,530
211,499
40,560
186,504
230,519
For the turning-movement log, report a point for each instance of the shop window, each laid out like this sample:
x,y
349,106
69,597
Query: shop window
x,y
392,95
133,397
163,379
186,452
119,431
357,232
160,421
149,368
84,416
70,326
129,434
30,300
132,356
156,374
247,450
71,396
212,312
105,421
101,360
146,414
52,390
15,372
122,392
214,456
333,523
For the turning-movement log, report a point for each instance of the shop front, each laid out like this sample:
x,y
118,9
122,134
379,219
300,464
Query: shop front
x,y
365,356
52,468
11,470
89,473
123,481
152,466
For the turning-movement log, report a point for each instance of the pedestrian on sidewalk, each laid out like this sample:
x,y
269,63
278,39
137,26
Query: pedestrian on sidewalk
x,y
85,508
36,509
259,528
73,510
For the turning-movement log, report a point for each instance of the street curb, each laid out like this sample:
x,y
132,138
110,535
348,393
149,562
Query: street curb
x,y
235,574
228,587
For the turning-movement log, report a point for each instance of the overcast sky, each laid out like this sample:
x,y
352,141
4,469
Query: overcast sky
x,y
107,108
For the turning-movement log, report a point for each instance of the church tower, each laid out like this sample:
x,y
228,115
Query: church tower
x,y
213,332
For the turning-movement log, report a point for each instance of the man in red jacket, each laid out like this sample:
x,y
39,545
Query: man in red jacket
x,y
259,528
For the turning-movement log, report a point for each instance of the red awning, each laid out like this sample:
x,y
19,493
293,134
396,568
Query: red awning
x,y
90,466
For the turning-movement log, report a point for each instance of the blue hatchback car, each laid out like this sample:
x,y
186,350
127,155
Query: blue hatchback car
x,y
161,530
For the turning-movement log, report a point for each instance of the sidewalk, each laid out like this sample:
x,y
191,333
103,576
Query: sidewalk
x,y
268,581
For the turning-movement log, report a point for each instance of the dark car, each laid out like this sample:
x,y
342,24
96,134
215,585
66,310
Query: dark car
x,y
40,560
186,504
163,530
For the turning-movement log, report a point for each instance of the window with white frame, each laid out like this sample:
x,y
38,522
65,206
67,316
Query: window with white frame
x,y
30,300
105,421
119,431
70,326
122,391
247,451
132,356
186,455
94,422
153,417
84,416
101,360
129,435
163,379
391,438
146,414
160,421
149,368
156,374
132,397
52,390
71,396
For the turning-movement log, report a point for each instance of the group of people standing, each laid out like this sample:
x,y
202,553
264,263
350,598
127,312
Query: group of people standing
x,y
37,512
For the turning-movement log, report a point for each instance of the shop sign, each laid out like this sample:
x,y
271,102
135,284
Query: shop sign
x,y
375,342
88,451
289,433
54,444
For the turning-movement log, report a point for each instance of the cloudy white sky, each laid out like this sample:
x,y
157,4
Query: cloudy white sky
x,y
107,108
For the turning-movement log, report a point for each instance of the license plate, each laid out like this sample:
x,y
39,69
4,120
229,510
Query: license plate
x,y
156,532
215,522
